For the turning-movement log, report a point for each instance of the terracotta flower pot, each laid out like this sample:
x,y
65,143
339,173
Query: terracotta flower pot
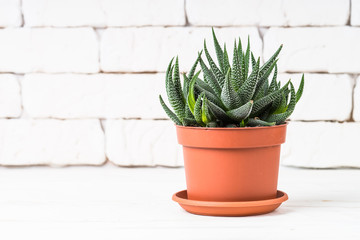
x,y
231,164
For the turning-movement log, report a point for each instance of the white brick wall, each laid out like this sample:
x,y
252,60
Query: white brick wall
x,y
67,65
356,114
142,143
315,49
322,145
93,96
325,96
10,13
26,50
150,49
54,142
103,13
268,13
10,99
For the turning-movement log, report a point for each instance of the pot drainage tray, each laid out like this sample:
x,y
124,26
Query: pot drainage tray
x,y
242,208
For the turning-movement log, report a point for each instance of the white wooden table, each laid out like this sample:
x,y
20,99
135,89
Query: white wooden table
x,y
135,203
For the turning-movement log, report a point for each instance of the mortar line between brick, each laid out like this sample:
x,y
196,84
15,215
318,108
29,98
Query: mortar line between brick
x,y
348,23
351,119
187,24
22,14
103,130
18,76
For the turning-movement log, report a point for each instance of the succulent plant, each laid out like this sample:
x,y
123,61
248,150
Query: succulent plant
x,y
229,95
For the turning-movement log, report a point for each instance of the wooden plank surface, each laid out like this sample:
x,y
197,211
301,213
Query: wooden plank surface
x,y
135,203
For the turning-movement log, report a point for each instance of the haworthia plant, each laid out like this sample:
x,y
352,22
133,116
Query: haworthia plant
x,y
229,95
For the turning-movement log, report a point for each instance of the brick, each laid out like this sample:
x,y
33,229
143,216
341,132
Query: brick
x,y
150,49
103,13
356,113
51,142
322,145
63,13
355,12
267,13
325,96
48,50
10,13
315,49
142,143
144,12
93,96
317,12
10,99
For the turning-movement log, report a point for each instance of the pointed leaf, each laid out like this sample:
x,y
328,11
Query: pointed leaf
x,y
248,88
253,61
300,89
262,103
281,117
253,122
226,60
242,112
210,78
193,68
263,78
189,122
220,77
218,112
197,110
229,96
170,114
269,62
273,83
219,52
236,76
191,95
205,113
247,59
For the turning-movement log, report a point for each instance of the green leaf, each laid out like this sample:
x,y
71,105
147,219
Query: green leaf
x,y
240,52
253,61
219,52
212,124
205,113
264,77
300,89
210,78
220,77
229,97
170,114
176,80
188,113
191,95
226,60
241,112
175,96
236,76
248,88
247,59
204,85
262,103
273,83
218,112
269,62
211,97
253,122
193,68
281,117
197,110
189,122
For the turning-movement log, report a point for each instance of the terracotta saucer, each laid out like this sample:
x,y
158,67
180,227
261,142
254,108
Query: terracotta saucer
x,y
244,208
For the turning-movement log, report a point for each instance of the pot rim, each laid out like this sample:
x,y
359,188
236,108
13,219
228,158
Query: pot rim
x,y
232,129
